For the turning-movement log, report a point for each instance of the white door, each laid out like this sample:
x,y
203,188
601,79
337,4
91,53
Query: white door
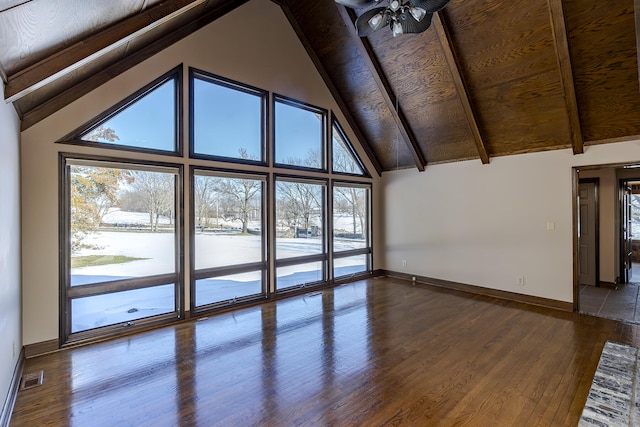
x,y
587,234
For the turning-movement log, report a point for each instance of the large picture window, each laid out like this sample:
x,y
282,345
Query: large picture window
x,y
299,138
229,249
300,232
351,235
263,219
121,246
228,119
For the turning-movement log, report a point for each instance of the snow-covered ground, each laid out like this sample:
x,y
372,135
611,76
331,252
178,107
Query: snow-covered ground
x,y
212,250
117,216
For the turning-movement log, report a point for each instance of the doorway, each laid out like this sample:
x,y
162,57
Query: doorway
x,y
629,191
605,195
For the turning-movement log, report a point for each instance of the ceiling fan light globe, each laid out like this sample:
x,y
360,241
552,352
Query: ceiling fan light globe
x,y
394,5
376,21
396,28
418,13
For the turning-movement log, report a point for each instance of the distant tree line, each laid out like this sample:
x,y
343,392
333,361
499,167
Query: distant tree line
x,y
96,190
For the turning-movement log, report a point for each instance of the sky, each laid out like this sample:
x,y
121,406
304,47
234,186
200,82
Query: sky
x,y
149,122
225,120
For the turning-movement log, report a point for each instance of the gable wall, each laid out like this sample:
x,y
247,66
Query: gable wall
x,y
254,45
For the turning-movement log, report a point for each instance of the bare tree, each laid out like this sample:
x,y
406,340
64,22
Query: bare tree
x,y
313,159
298,203
157,191
239,196
343,160
352,201
204,189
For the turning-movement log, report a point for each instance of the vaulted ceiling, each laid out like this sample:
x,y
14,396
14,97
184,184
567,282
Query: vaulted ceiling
x,y
489,78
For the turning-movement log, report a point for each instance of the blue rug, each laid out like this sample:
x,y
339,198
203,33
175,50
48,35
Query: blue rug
x,y
613,397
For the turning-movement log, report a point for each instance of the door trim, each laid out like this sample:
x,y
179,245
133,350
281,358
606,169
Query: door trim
x,y
574,202
622,185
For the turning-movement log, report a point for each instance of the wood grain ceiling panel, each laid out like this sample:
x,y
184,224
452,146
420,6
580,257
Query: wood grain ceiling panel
x,y
420,77
510,54
507,53
8,4
76,54
602,43
133,55
326,32
35,30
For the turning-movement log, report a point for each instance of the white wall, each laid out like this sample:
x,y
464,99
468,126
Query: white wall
x,y
265,53
486,225
10,304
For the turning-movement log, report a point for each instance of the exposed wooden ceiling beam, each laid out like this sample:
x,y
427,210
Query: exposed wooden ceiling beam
x,y
386,91
330,85
636,7
561,44
442,30
82,52
3,74
45,109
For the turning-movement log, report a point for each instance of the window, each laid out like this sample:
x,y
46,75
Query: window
x,y
351,241
228,119
299,134
122,236
146,121
121,244
229,250
300,232
344,158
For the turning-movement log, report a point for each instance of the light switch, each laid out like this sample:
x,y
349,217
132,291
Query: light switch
x,y
551,225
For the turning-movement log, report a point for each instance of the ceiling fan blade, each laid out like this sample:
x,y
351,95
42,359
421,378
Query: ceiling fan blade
x,y
411,26
431,6
356,3
364,24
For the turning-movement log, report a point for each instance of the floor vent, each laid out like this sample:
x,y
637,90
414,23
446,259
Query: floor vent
x,y
34,379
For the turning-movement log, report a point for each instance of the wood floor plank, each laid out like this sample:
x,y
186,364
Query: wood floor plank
x,y
373,352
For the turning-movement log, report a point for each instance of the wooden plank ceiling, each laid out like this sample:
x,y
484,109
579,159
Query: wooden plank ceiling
x,y
489,78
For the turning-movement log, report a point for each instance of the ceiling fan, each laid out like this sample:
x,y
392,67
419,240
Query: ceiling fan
x,y
401,16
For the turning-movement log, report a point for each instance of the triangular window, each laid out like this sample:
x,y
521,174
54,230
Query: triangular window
x,y
345,159
147,120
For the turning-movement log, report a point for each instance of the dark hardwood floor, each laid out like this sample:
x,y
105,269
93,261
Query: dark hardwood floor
x,y
374,352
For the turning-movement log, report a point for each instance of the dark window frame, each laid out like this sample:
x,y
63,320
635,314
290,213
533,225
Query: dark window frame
x,y
324,257
335,124
195,73
176,74
68,293
208,273
324,113
368,250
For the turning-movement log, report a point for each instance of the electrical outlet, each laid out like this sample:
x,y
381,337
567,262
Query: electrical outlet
x,y
520,280
404,262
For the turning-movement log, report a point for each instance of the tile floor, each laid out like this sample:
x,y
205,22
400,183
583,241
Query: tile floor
x,y
620,303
